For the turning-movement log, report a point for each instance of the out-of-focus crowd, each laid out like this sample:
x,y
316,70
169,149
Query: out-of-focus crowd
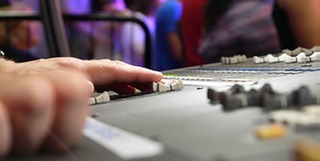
x,y
183,32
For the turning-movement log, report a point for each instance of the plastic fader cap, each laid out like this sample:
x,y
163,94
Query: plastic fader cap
x,y
290,117
102,98
300,55
177,84
305,119
258,60
300,58
267,59
241,58
167,86
312,110
223,60
270,59
315,56
160,87
290,59
283,57
234,59
293,118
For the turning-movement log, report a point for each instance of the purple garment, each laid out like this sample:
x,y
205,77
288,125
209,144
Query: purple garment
x,y
246,28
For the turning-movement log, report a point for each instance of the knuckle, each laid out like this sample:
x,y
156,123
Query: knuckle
x,y
39,94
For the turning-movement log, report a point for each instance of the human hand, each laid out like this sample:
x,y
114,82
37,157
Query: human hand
x,y
42,111
104,74
43,103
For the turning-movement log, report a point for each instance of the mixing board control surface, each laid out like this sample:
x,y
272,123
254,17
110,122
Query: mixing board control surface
x,y
230,112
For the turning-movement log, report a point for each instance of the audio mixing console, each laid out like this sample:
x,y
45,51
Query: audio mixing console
x,y
242,109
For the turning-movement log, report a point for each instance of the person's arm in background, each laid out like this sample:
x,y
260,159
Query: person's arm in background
x,y
304,19
44,103
173,38
174,42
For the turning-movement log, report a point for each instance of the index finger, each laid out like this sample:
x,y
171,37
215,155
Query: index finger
x,y
106,72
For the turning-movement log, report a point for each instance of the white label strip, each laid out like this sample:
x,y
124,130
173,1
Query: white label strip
x,y
124,144
216,83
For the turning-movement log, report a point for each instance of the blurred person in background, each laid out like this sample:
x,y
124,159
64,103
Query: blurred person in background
x,y
94,39
78,32
192,30
132,35
238,27
105,35
179,44
108,6
168,49
17,37
297,22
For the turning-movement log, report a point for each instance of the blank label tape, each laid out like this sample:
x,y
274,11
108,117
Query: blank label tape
x,y
124,144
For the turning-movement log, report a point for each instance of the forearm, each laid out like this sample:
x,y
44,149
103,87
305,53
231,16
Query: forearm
x,y
306,28
175,46
305,24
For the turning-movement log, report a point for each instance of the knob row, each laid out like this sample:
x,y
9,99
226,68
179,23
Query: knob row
x,y
237,97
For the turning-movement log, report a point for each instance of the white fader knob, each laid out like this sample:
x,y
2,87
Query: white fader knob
x,y
270,59
283,57
223,60
102,98
312,110
234,59
258,60
160,87
167,86
290,117
177,84
290,59
315,56
302,58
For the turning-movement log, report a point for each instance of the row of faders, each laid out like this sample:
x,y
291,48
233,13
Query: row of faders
x,y
237,97
299,55
234,59
171,85
162,86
